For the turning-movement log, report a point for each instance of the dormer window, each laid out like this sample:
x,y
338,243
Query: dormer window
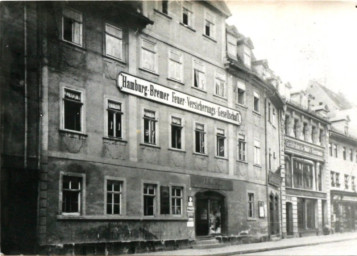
x,y
247,57
231,46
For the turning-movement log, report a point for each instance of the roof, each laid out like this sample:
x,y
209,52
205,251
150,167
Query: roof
x,y
221,6
233,30
247,41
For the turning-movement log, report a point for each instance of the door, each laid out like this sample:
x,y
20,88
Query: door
x,y
289,219
202,217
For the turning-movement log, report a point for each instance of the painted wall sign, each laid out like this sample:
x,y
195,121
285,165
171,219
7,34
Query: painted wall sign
x,y
211,183
303,147
151,91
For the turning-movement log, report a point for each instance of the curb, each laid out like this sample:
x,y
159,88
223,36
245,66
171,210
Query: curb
x,y
275,248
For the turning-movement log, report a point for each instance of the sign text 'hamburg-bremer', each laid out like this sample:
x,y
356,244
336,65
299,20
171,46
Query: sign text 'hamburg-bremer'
x,y
146,89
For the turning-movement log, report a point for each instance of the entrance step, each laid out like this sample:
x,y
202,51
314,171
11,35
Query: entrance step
x,y
207,243
275,238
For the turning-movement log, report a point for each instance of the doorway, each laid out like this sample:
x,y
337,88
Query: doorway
x,y
210,214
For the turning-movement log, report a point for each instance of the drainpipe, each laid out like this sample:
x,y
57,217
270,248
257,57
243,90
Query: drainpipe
x,y
266,164
25,88
281,192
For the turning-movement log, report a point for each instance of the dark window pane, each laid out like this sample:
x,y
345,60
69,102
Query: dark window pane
x,y
110,123
67,29
72,115
109,209
118,125
116,209
165,200
185,18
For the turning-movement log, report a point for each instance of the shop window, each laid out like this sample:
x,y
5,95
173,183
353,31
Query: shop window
x,y
251,205
241,93
149,127
114,196
347,179
220,137
72,25
199,138
71,194
241,148
114,42
344,153
150,199
148,56
176,200
256,102
114,119
257,155
175,65
176,132
72,104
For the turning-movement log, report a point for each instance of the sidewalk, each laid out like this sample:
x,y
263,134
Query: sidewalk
x,y
264,246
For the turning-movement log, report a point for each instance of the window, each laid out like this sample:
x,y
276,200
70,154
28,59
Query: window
x,y
165,6
231,46
256,102
251,205
164,200
148,56
247,57
351,155
220,143
335,149
296,125
71,194
330,148
175,65
149,199
273,116
321,136
199,139
149,127
256,152
344,153
209,29
241,92
346,181
176,200
333,179
199,78
337,180
353,183
114,119
269,112
220,85
114,42
303,174
269,161
72,26
187,17
241,148
176,128
72,110
114,196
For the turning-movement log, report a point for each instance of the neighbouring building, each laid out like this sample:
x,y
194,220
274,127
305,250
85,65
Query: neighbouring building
x,y
305,204
132,126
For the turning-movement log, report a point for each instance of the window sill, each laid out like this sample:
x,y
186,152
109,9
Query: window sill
x,y
198,89
176,81
220,97
115,139
77,47
251,219
221,157
241,161
80,135
149,71
114,59
118,217
177,150
150,145
257,165
200,154
163,14
188,27
238,105
210,38
257,113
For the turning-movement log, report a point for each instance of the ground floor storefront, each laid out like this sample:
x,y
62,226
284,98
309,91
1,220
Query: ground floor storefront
x,y
343,210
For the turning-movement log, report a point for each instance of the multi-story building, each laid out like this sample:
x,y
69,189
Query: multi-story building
x,y
124,126
305,186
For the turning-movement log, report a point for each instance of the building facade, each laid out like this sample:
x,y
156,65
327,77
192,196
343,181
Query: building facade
x,y
133,132
305,204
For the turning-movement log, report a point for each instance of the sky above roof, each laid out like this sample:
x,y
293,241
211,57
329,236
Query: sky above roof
x,y
303,40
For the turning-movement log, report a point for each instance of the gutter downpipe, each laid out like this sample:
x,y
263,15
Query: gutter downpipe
x,y
266,164
25,88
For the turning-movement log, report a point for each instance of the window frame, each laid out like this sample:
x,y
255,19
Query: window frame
x,y
199,67
188,7
249,203
180,62
153,51
344,153
156,203
220,136
122,39
156,122
209,19
182,126
123,195
256,102
63,88
81,32
242,139
241,87
106,118
183,195
204,138
220,78
82,202
257,153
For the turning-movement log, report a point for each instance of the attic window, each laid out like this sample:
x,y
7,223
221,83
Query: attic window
x,y
247,57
